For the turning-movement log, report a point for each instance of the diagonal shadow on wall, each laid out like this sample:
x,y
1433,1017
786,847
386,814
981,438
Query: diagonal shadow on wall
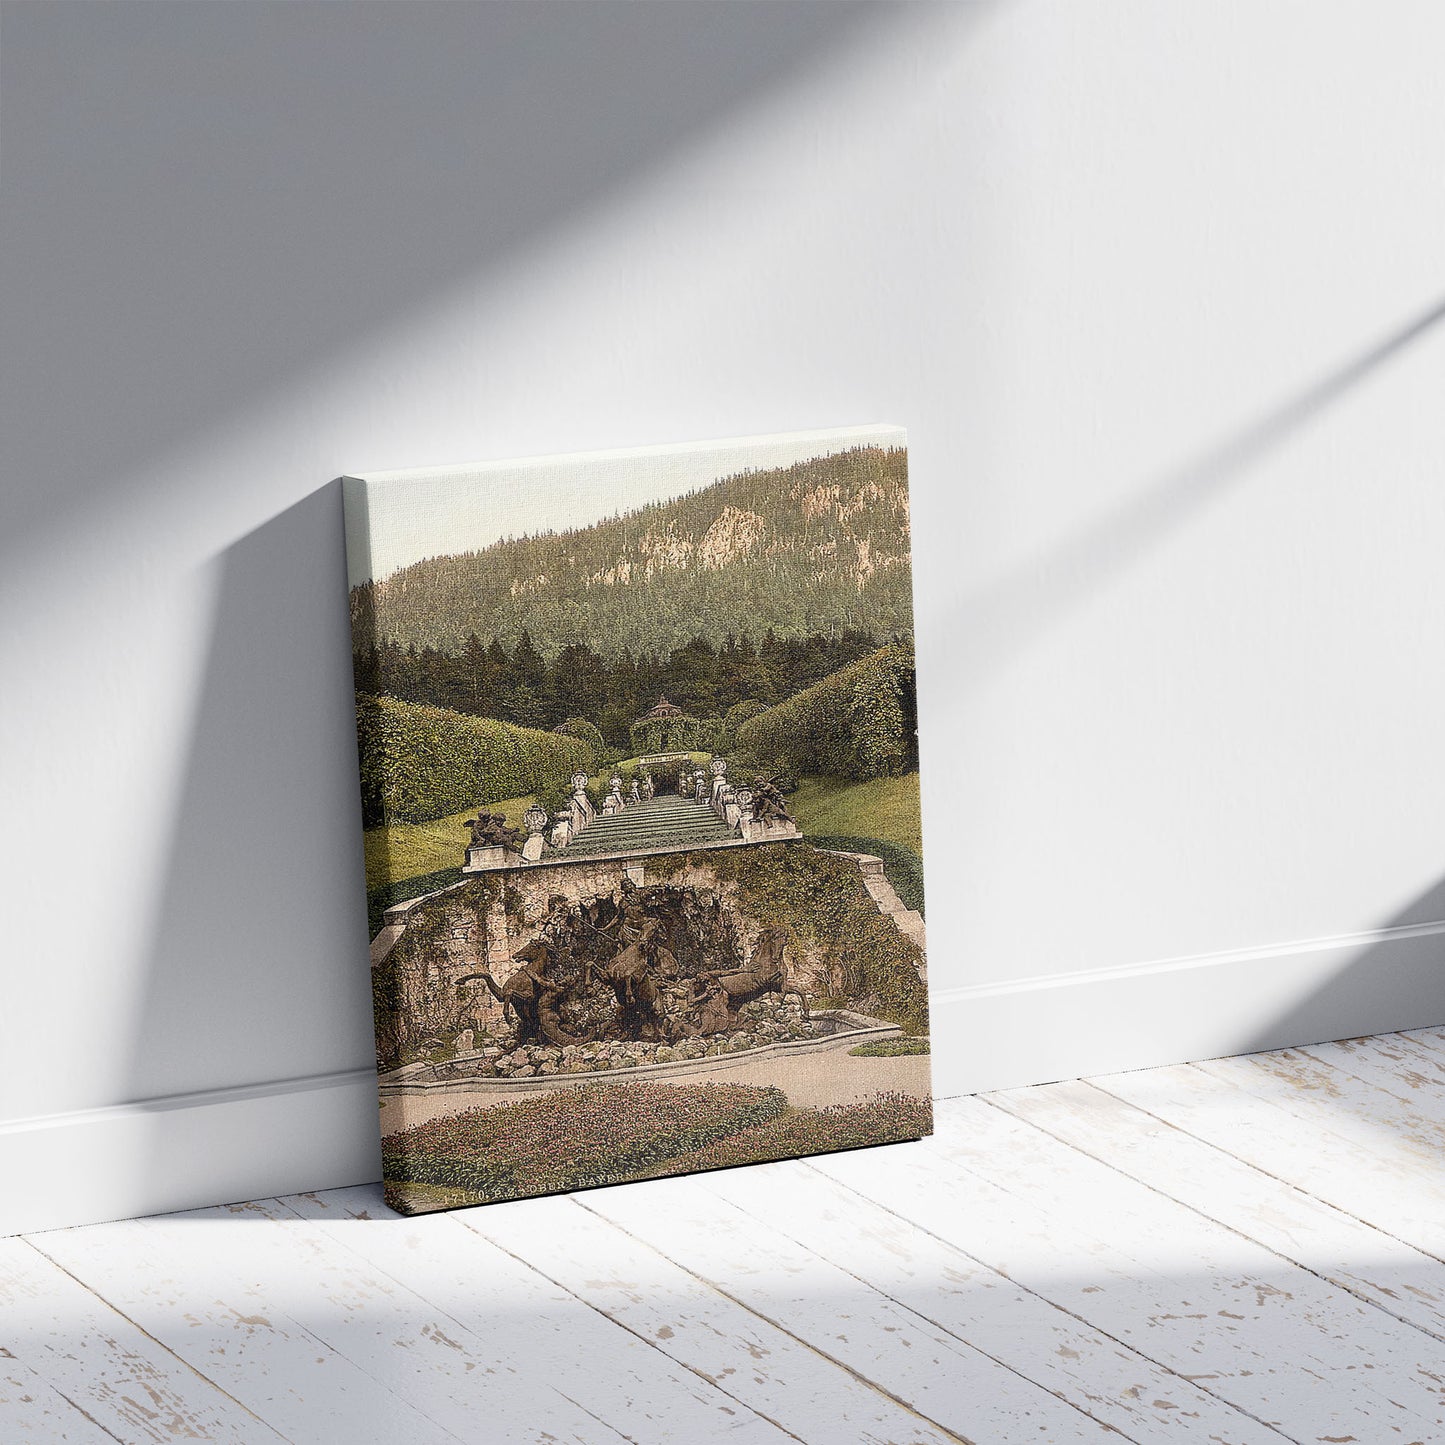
x,y
202,201
1378,984
260,928
1378,989
1002,619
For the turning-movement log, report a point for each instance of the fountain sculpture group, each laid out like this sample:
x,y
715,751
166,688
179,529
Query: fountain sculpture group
x,y
659,964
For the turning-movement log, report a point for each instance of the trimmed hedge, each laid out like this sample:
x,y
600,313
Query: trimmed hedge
x,y
419,763
859,723
736,716
589,733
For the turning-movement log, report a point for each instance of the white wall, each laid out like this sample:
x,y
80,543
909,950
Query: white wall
x,y
1153,286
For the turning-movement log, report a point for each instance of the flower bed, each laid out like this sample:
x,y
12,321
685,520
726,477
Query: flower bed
x,y
887,1118
600,1134
613,1133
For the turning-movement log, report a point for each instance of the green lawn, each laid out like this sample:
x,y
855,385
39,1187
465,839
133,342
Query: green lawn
x,y
884,808
889,1048
406,850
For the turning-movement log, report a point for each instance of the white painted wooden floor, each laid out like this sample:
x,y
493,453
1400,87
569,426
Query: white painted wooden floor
x,y
1245,1251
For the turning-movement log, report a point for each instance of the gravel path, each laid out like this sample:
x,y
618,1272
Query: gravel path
x,y
810,1081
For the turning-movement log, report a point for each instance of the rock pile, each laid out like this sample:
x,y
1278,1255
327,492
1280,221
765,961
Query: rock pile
x,y
767,1021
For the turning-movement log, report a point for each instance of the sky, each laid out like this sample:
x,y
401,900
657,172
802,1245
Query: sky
x,y
396,518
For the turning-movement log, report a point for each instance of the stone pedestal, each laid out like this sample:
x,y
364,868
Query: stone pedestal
x,y
775,830
483,860
534,847
562,832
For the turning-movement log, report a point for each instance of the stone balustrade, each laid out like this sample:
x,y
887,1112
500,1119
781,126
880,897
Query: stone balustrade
x,y
551,840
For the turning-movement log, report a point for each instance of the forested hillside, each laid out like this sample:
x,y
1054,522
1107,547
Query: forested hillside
x,y
818,547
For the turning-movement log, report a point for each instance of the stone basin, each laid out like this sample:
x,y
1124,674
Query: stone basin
x,y
841,1029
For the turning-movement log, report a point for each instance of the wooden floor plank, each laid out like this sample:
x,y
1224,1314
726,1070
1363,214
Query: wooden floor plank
x,y
628,1382
1407,1072
1307,1137
1346,1089
395,1334
1417,1059
127,1382
782,1378
1245,1252
1431,1039
33,1412
951,1289
1273,1339
1390,1091
1026,1243
1375,1267
238,1299
945,1379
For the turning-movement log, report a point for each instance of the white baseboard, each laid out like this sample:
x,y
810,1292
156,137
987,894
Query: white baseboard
x,y
1141,1016
321,1133
188,1151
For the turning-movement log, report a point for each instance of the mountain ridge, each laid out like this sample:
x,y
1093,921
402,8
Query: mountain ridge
x,y
818,545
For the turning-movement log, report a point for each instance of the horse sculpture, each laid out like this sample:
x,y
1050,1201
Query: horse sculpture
x,y
633,973
766,972
530,995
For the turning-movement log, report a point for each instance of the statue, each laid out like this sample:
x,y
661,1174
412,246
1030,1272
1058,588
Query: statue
x,y
531,995
632,964
768,804
556,927
709,1001
636,791
766,972
633,974
490,830
632,911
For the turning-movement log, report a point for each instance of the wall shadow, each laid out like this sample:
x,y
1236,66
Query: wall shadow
x,y
200,201
260,930
1379,990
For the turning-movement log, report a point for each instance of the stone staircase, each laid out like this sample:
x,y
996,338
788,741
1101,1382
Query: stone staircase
x,y
908,921
666,822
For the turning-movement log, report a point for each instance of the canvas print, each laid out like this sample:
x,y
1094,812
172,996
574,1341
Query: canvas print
x,y
639,774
